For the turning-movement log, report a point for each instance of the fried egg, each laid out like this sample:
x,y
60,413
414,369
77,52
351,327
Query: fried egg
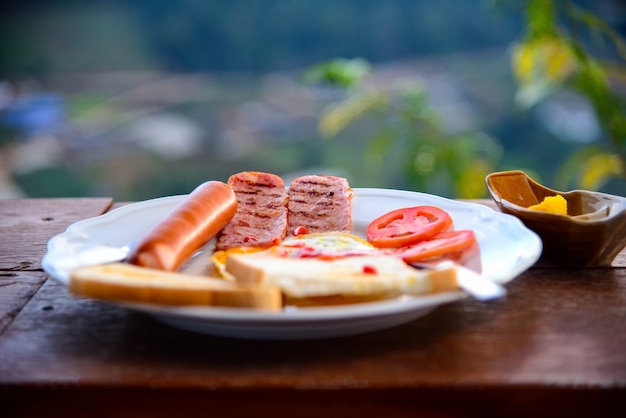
x,y
316,245
330,243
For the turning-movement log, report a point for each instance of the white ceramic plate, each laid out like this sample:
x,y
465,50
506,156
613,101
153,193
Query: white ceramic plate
x,y
507,248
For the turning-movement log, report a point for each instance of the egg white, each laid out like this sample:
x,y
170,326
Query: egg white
x,y
326,243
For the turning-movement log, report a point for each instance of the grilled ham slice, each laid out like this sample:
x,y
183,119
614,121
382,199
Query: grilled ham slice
x,y
261,217
319,203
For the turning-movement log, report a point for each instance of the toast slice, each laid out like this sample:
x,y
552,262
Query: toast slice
x,y
128,283
370,276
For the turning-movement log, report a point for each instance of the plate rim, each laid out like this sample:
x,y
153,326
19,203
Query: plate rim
x,y
246,318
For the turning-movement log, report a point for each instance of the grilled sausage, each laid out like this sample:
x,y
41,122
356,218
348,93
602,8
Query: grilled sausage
x,y
188,226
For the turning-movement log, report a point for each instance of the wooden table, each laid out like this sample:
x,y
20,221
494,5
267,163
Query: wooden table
x,y
555,346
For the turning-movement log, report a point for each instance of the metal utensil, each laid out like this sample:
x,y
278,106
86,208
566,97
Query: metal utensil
x,y
477,285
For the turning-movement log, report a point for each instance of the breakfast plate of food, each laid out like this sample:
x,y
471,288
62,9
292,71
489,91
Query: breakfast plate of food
x,y
252,258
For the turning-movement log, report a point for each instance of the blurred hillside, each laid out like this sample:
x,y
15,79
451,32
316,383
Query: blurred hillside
x,y
249,36
138,99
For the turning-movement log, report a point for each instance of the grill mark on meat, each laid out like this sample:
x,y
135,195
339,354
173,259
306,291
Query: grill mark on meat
x,y
255,192
266,212
320,204
261,217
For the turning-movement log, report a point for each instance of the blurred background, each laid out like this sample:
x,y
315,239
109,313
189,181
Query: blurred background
x,y
136,99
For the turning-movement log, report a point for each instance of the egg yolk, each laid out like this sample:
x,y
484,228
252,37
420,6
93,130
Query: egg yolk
x,y
219,258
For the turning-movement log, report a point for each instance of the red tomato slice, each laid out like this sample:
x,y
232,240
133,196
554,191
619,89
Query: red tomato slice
x,y
402,227
437,246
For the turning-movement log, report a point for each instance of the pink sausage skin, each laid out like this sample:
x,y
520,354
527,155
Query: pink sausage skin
x,y
186,228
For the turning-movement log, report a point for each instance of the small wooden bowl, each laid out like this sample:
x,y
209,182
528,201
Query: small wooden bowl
x,y
591,234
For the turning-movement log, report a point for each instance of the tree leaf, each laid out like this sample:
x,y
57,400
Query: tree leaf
x,y
471,184
541,66
598,169
593,22
589,168
549,58
341,73
540,16
338,116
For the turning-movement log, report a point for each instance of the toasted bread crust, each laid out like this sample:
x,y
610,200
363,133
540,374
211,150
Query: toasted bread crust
x,y
127,283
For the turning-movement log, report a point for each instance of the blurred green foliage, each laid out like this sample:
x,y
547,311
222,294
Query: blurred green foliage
x,y
566,47
551,57
408,137
392,136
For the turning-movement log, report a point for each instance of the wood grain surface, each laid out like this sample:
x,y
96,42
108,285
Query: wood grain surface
x,y
554,346
27,225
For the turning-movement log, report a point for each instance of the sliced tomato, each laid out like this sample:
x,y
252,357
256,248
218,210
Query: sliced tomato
x,y
437,246
406,226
